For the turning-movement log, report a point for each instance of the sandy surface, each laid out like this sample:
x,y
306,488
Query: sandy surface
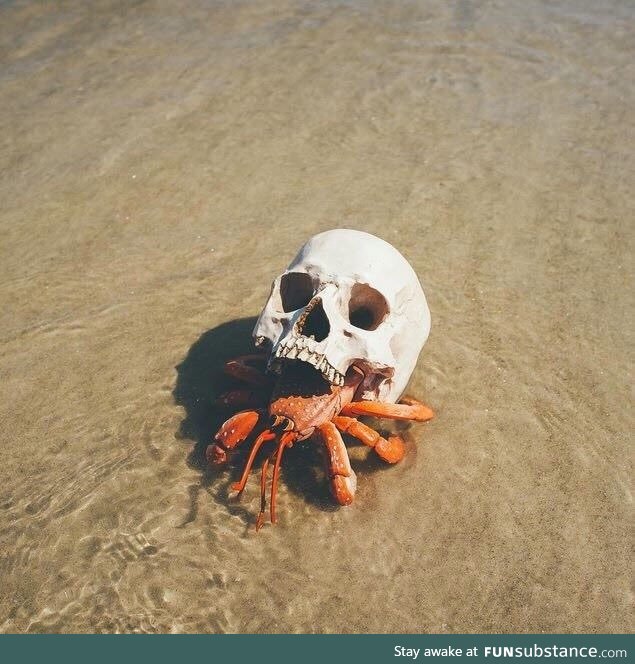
x,y
160,166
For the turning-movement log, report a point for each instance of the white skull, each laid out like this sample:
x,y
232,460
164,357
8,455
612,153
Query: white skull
x,y
348,298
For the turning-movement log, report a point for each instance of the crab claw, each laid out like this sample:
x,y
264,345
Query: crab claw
x,y
232,433
237,428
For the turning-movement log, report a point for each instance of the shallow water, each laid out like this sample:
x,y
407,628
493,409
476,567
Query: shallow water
x,y
158,167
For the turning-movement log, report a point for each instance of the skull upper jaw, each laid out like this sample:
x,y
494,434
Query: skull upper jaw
x,y
290,351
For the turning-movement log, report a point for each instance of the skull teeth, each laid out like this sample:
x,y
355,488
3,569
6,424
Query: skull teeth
x,y
304,349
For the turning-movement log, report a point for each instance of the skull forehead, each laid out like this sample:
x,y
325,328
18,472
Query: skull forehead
x,y
356,255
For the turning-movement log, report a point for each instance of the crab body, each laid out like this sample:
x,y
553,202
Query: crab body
x,y
303,400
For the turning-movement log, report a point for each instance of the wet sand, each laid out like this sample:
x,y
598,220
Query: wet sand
x,y
158,167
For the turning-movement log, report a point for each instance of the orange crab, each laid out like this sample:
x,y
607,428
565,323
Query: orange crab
x,y
298,404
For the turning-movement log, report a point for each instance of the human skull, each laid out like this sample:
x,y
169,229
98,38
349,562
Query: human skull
x,y
348,299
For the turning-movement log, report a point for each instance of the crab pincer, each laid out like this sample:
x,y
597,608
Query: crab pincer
x,y
233,432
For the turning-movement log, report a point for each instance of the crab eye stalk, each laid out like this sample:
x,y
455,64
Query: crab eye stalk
x,y
367,307
296,290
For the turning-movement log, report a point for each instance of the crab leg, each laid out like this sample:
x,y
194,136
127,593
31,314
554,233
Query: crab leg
x,y
286,440
408,409
262,438
263,493
391,450
241,369
232,433
338,466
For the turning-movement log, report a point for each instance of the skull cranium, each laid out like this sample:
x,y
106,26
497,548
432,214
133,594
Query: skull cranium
x,y
348,299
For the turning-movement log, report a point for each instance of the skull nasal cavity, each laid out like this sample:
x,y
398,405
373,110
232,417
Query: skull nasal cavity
x,y
316,324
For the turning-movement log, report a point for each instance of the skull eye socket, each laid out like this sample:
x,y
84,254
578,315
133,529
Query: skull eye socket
x,y
296,290
367,307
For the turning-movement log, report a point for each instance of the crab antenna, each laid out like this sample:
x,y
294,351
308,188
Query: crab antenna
x,y
262,438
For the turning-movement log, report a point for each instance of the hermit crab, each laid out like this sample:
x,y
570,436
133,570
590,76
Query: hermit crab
x,y
338,338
